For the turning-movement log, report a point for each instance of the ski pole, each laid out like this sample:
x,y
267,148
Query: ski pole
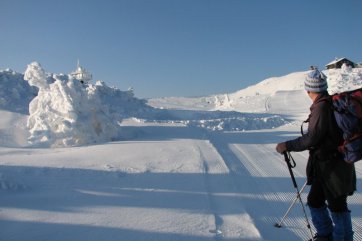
x,y
291,164
279,225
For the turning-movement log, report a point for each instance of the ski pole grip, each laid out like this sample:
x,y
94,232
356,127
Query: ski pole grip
x,y
287,160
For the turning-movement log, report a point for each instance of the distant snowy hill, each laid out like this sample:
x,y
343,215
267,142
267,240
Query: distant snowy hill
x,y
256,98
250,99
293,81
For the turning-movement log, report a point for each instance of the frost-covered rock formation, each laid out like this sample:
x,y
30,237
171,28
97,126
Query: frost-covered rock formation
x,y
68,113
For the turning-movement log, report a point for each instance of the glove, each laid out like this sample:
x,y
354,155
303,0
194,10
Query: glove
x,y
281,147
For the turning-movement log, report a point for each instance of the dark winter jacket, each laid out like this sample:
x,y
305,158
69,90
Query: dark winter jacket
x,y
325,162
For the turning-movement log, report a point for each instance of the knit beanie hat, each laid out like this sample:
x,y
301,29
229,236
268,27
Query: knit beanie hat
x,y
316,81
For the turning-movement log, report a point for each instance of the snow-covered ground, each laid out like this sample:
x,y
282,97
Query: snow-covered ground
x,y
184,169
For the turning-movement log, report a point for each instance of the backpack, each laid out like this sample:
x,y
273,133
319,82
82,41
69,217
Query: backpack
x,y
348,113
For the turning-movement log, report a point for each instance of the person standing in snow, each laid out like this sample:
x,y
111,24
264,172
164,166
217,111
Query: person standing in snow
x,y
330,177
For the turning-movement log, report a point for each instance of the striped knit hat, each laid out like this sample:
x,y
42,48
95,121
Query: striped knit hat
x,y
316,81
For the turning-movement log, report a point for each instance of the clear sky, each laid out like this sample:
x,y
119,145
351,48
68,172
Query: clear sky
x,y
179,47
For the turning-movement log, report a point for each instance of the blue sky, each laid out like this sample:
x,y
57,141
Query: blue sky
x,y
179,47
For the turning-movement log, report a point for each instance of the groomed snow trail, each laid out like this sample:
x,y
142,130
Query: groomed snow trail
x,y
257,189
224,200
255,178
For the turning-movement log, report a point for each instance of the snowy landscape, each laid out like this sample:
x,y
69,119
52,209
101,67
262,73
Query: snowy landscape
x,y
86,161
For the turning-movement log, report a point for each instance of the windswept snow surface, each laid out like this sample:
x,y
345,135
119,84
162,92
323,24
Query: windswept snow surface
x,y
170,174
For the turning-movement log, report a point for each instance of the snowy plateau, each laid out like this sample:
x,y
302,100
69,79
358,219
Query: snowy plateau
x,y
82,161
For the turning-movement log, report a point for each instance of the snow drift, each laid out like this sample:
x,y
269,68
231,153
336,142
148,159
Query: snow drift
x,y
67,113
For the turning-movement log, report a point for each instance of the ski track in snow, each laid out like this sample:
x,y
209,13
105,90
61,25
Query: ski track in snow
x,y
224,202
248,173
249,176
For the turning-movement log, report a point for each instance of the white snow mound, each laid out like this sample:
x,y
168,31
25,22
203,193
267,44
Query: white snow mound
x,y
69,113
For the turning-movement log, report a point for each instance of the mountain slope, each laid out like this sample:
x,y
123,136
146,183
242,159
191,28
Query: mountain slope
x,y
250,99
